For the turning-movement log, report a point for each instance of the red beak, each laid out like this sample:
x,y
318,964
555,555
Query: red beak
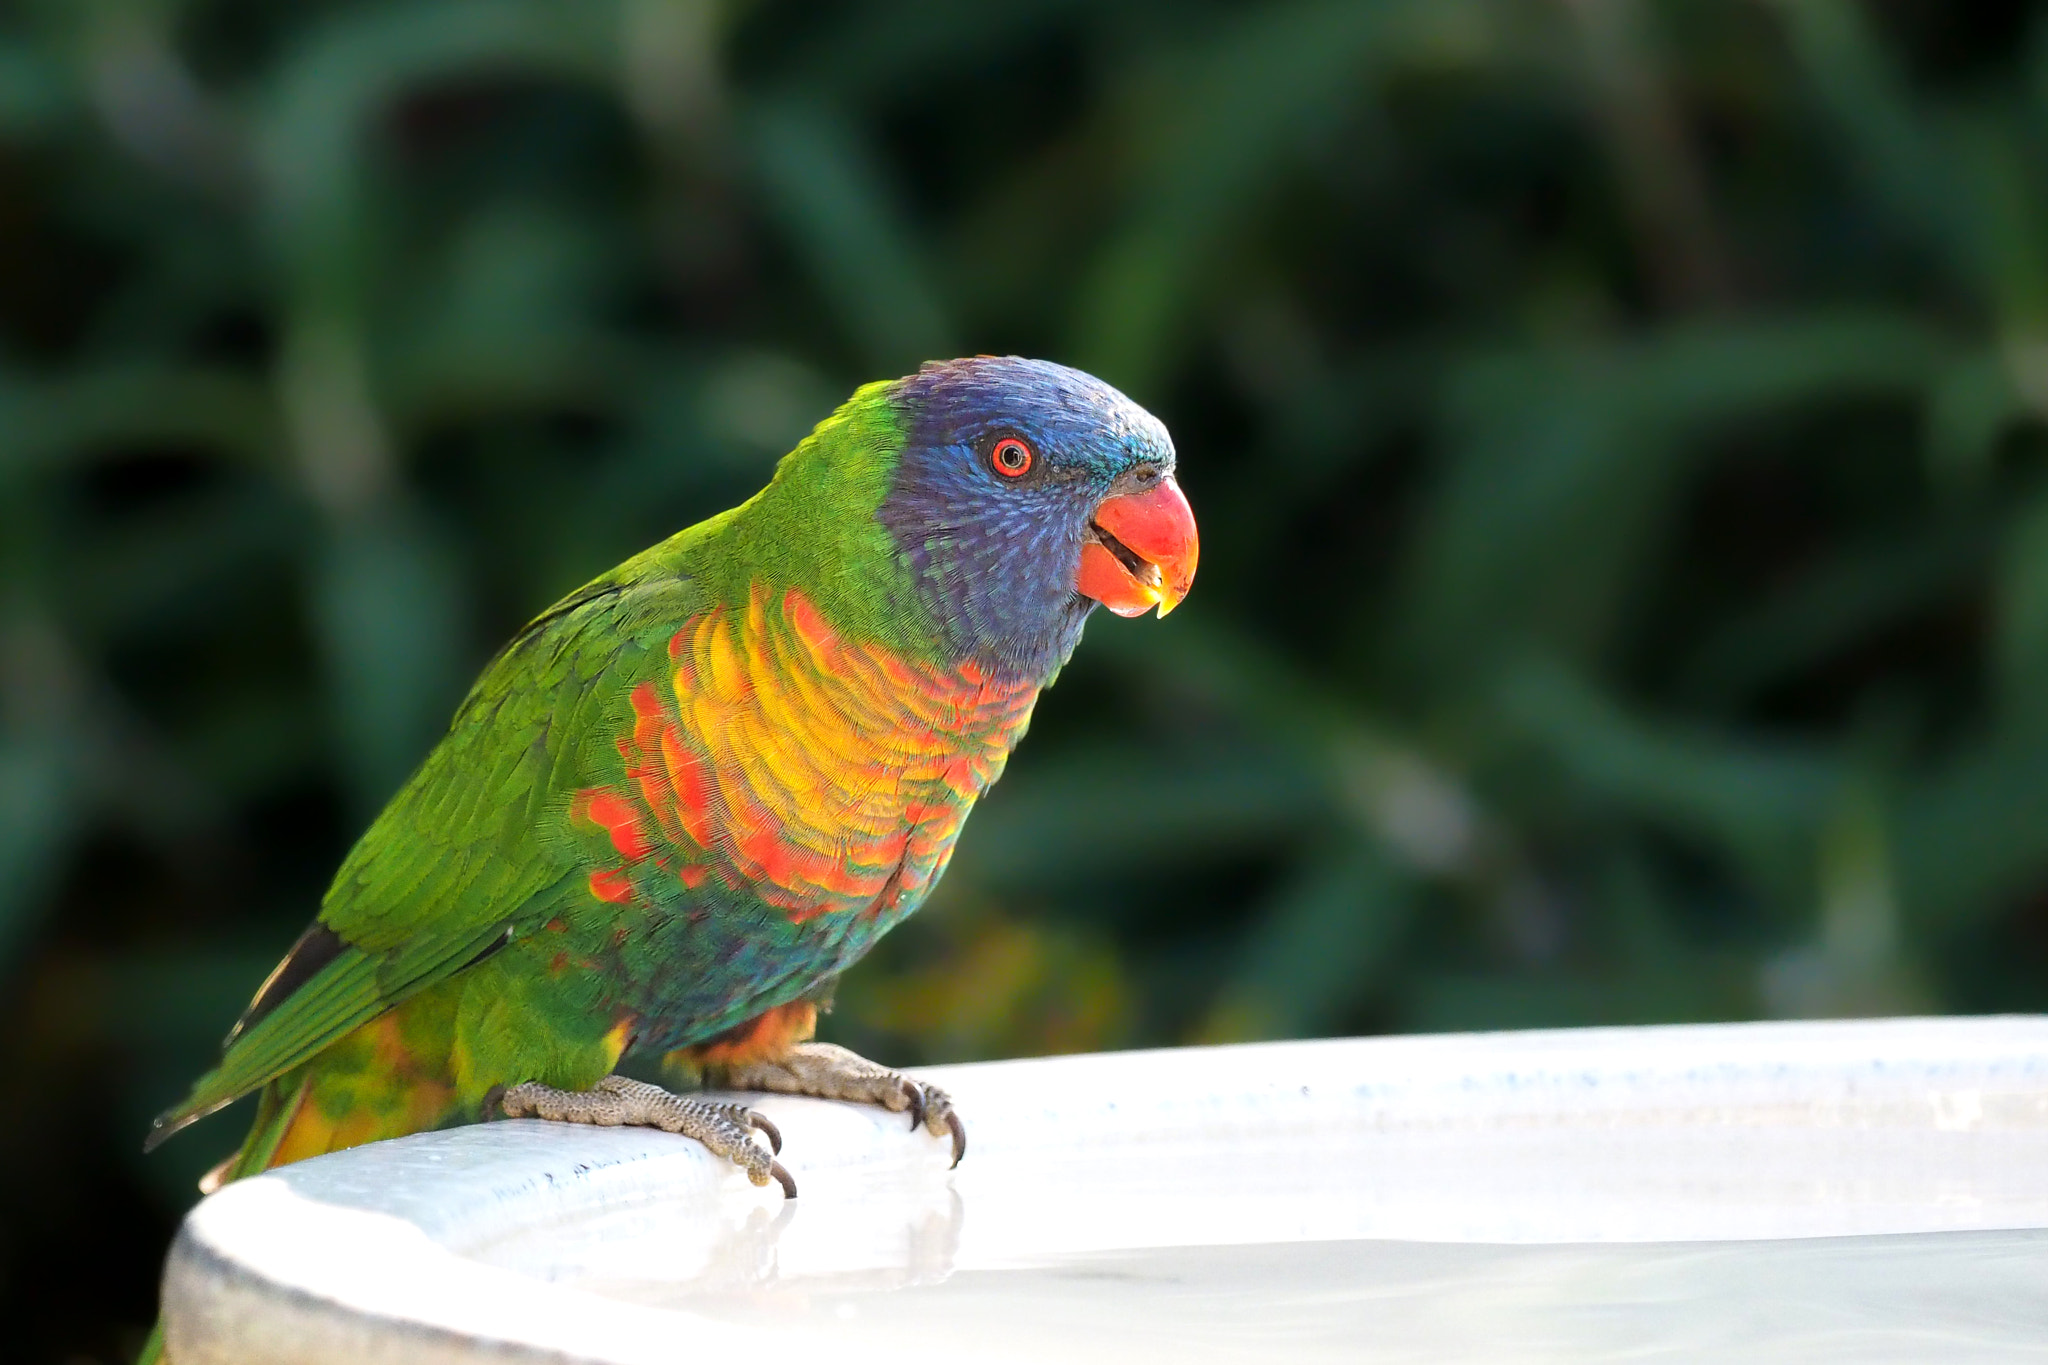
x,y
1141,552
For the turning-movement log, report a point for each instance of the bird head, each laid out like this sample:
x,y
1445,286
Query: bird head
x,y
1026,493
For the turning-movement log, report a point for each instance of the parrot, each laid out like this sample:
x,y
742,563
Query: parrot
x,y
689,795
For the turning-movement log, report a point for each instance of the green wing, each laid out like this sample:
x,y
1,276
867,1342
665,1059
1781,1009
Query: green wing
x,y
456,865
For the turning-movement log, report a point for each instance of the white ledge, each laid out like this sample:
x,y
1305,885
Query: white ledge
x,y
1814,1191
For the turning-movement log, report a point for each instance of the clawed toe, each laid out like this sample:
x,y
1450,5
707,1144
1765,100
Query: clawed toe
x,y
935,1109
829,1072
726,1129
932,1109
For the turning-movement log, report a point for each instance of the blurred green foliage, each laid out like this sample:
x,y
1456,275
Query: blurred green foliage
x,y
1616,428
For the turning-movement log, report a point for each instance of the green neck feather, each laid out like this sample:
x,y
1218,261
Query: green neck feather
x,y
814,528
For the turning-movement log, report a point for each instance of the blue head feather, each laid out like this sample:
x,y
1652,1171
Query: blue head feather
x,y
994,558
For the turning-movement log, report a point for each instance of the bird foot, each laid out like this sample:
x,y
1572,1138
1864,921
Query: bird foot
x,y
727,1129
829,1072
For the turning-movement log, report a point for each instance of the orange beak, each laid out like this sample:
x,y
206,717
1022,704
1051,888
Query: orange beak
x,y
1141,552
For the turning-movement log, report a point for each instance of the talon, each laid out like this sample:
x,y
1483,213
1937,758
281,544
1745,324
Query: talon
x,y
959,1131
774,1135
829,1072
494,1103
788,1185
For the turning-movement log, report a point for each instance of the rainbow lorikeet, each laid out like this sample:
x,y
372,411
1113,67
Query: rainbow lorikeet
x,y
692,792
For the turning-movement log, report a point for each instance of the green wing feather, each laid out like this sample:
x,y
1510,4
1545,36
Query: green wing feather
x,y
453,865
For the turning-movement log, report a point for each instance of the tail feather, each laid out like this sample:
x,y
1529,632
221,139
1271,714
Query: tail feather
x,y
276,1108
391,1075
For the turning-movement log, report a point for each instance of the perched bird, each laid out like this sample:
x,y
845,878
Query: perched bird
x,y
692,792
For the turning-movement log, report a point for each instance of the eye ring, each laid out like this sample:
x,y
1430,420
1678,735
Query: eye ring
x,y
1011,458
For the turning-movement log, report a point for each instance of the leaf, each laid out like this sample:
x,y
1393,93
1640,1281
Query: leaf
x,y
1850,594
832,201
1565,464
1111,813
1975,402
387,603
87,412
1231,115
39,819
2019,638
1760,801
1317,948
1858,86
320,111
1973,834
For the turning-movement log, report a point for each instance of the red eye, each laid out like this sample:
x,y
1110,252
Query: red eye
x,y
1011,458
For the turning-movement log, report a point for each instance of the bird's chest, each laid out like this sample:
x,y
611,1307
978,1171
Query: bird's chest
x,y
782,797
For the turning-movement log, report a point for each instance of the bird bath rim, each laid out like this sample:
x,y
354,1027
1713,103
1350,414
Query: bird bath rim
x,y
523,1240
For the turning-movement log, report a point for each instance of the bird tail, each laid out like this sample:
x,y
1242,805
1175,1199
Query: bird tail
x,y
386,1079
277,1109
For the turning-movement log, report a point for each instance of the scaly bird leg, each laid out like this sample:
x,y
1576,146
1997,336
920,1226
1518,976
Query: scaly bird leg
x,y
727,1129
830,1072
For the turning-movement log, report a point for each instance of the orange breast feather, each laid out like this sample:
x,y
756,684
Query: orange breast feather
x,y
825,775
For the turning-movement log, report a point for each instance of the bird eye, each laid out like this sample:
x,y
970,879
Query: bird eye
x,y
1011,458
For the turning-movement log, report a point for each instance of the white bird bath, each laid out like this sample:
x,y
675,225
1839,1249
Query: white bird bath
x,y
1857,1191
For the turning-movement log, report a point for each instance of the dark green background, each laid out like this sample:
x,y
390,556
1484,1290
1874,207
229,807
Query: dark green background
x,y
1615,428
